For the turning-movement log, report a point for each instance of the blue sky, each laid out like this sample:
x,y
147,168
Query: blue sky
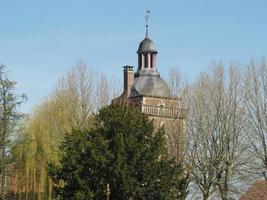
x,y
41,40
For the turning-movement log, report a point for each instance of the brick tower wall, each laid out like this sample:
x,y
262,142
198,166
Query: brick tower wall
x,y
167,113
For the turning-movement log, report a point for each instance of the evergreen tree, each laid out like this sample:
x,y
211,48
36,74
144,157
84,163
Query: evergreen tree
x,y
122,151
9,116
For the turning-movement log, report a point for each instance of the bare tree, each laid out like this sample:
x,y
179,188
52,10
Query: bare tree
x,y
176,129
228,131
103,92
217,151
176,134
199,156
176,82
255,101
76,94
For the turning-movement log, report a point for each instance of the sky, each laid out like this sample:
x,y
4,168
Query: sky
x,y
40,40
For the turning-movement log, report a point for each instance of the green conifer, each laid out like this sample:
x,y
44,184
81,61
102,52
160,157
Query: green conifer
x,y
123,152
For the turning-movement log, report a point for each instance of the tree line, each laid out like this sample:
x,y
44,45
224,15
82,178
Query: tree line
x,y
226,130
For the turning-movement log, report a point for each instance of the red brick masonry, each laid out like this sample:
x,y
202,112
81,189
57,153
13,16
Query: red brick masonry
x,y
258,191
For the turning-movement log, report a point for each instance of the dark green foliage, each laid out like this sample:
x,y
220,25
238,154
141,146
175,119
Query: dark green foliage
x,y
124,151
9,117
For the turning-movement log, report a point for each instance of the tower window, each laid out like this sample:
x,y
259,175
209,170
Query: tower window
x,y
152,60
146,60
140,60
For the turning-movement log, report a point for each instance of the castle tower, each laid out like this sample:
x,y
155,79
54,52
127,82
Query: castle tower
x,y
146,89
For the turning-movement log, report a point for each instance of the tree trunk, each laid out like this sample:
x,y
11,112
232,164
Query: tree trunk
x,y
3,178
206,196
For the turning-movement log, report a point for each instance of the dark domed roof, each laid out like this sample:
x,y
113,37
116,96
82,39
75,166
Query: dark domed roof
x,y
146,45
150,84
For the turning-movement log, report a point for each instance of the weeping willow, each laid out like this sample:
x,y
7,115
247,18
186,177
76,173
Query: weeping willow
x,y
36,147
69,107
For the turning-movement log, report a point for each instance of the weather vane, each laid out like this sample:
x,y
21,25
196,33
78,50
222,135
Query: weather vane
x,y
147,17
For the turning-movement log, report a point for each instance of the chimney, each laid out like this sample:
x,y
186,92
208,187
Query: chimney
x,y
128,72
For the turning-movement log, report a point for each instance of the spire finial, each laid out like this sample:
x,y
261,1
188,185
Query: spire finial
x,y
147,17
